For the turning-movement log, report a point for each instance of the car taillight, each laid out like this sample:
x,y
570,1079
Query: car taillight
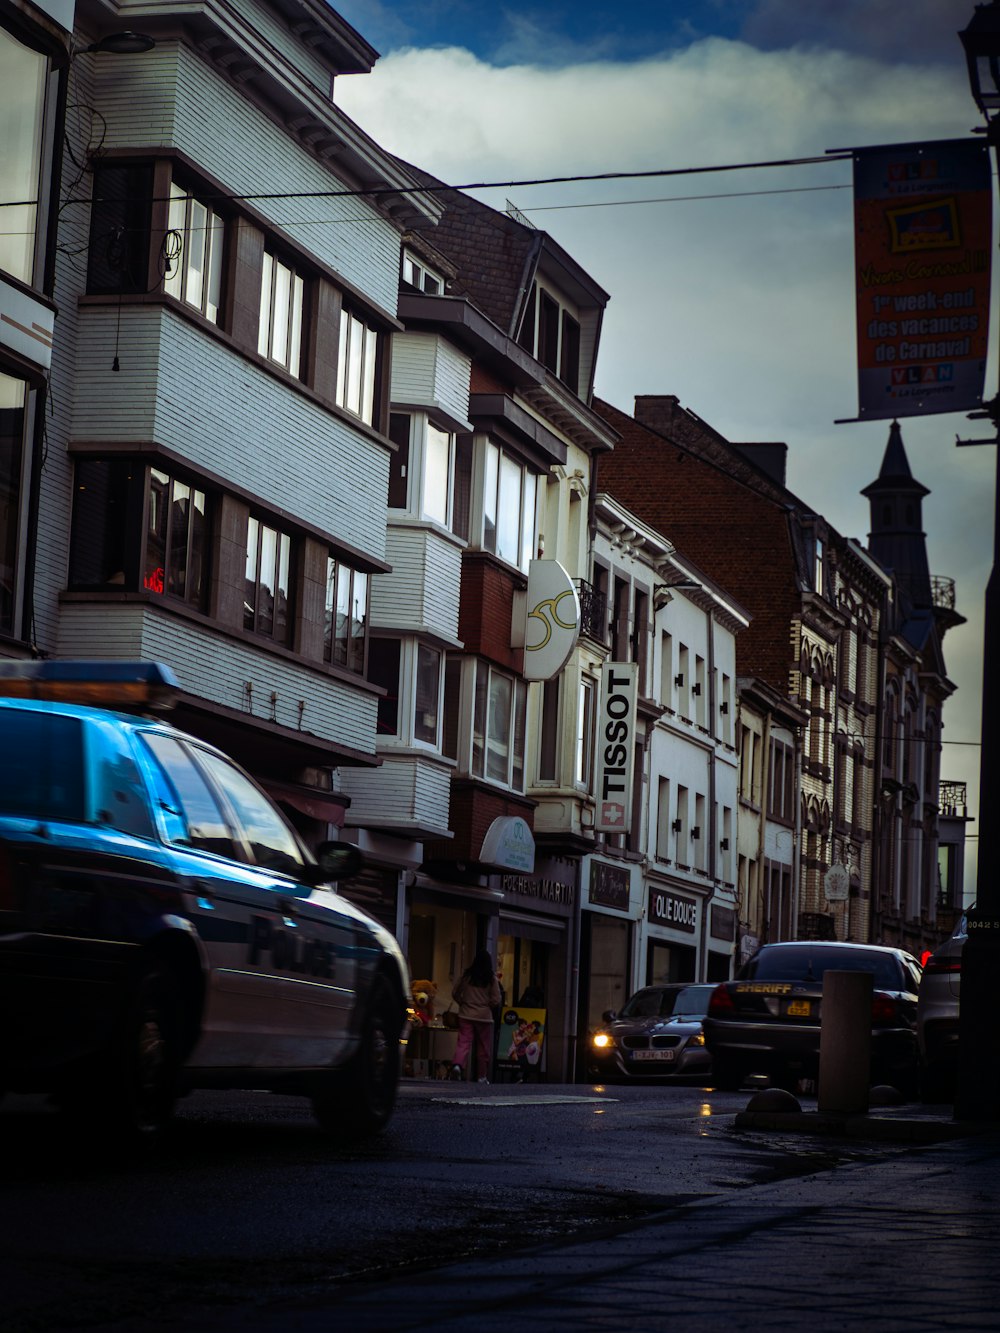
x,y
939,965
721,1001
883,1008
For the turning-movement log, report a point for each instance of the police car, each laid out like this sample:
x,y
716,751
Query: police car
x,y
162,927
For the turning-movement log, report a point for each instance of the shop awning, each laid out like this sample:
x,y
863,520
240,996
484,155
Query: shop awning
x,y
530,928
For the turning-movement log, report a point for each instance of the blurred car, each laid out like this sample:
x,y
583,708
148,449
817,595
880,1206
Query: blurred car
x,y
937,1016
767,1020
163,928
656,1034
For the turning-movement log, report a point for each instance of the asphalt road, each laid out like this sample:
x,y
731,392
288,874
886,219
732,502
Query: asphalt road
x,y
248,1205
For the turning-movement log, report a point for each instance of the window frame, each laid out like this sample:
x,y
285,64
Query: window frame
x,y
360,357
485,696
148,574
494,456
285,560
292,300
342,575
181,222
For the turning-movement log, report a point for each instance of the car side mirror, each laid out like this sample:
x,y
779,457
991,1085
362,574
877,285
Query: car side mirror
x,y
335,860
609,1015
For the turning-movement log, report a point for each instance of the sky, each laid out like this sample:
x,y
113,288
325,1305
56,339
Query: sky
x,y
732,290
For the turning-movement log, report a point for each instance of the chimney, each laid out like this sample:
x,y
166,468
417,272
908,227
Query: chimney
x,y
657,410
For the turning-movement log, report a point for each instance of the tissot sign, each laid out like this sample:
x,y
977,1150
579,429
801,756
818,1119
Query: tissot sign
x,y
616,746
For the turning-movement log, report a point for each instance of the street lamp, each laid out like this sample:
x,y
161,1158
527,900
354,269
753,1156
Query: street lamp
x,y
979,1047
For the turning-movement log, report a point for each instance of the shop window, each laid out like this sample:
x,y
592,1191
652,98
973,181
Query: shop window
x,y
498,727
193,253
267,598
358,355
282,295
346,632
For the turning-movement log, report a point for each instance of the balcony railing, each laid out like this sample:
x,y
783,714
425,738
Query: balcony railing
x,y
951,799
943,592
593,611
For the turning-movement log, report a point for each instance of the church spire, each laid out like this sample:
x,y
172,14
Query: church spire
x,y
897,540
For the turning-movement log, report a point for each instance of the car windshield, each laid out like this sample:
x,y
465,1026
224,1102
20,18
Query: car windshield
x,y
667,1003
808,962
47,780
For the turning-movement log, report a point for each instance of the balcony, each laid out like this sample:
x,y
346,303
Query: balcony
x,y
951,799
593,612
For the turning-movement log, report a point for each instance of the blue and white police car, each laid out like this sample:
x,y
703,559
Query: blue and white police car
x,y
163,928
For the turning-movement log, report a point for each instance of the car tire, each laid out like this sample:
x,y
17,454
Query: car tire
x,y
727,1076
359,1100
128,1100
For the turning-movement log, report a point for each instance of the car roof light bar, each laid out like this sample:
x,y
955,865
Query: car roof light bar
x,y
124,685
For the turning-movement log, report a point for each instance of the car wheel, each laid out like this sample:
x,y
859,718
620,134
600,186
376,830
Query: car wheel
x,y
726,1074
128,1101
359,1101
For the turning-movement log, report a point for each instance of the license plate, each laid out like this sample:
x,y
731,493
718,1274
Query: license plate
x,y
653,1055
799,1009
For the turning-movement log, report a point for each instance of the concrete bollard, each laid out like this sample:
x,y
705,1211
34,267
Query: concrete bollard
x,y
845,1040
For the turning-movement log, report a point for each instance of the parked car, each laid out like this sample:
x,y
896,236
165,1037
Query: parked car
x,y
656,1034
767,1020
163,928
937,1016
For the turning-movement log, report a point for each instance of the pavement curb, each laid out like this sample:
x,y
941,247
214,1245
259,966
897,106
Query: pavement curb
x,y
887,1129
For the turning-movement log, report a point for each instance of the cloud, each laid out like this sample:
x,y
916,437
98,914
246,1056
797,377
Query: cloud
x,y
743,305
921,31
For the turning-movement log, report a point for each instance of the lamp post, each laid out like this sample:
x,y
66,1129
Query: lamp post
x,y
978,1095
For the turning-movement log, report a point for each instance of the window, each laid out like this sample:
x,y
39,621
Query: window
x,y
663,820
781,796
346,616
640,636
552,334
584,771
120,220
23,76
498,727
548,753
279,336
176,532
510,518
818,566
186,794
383,670
193,253
417,274
357,363
267,599
427,707
139,529
13,412
271,841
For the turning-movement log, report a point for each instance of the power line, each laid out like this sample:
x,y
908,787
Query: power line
x,y
685,198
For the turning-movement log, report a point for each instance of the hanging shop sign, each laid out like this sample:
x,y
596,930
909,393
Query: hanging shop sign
x,y
616,746
673,910
551,620
509,845
610,885
922,276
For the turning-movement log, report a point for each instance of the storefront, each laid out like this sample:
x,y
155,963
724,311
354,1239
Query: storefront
x,y
672,931
536,949
609,930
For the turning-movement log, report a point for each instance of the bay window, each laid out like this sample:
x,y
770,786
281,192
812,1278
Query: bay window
x,y
282,295
346,639
498,722
193,253
267,597
357,365
510,503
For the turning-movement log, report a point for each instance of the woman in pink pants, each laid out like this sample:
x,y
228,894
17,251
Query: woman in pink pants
x,y
477,993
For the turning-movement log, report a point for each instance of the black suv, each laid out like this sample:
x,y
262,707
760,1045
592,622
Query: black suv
x,y
767,1021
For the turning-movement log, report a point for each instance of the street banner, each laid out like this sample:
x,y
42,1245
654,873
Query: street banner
x,y
616,746
923,239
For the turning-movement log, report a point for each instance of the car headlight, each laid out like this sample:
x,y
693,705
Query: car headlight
x,y
697,1040
601,1041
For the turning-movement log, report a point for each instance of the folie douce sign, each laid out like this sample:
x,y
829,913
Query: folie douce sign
x,y
922,239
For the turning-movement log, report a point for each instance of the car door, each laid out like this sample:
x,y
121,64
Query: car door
x,y
308,948
231,906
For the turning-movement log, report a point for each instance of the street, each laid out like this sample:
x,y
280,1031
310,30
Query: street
x,y
248,1209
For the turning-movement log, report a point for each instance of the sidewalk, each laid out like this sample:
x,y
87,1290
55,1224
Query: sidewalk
x,y
909,1244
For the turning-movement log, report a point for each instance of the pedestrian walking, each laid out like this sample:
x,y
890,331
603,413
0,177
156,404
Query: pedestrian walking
x,y
477,993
